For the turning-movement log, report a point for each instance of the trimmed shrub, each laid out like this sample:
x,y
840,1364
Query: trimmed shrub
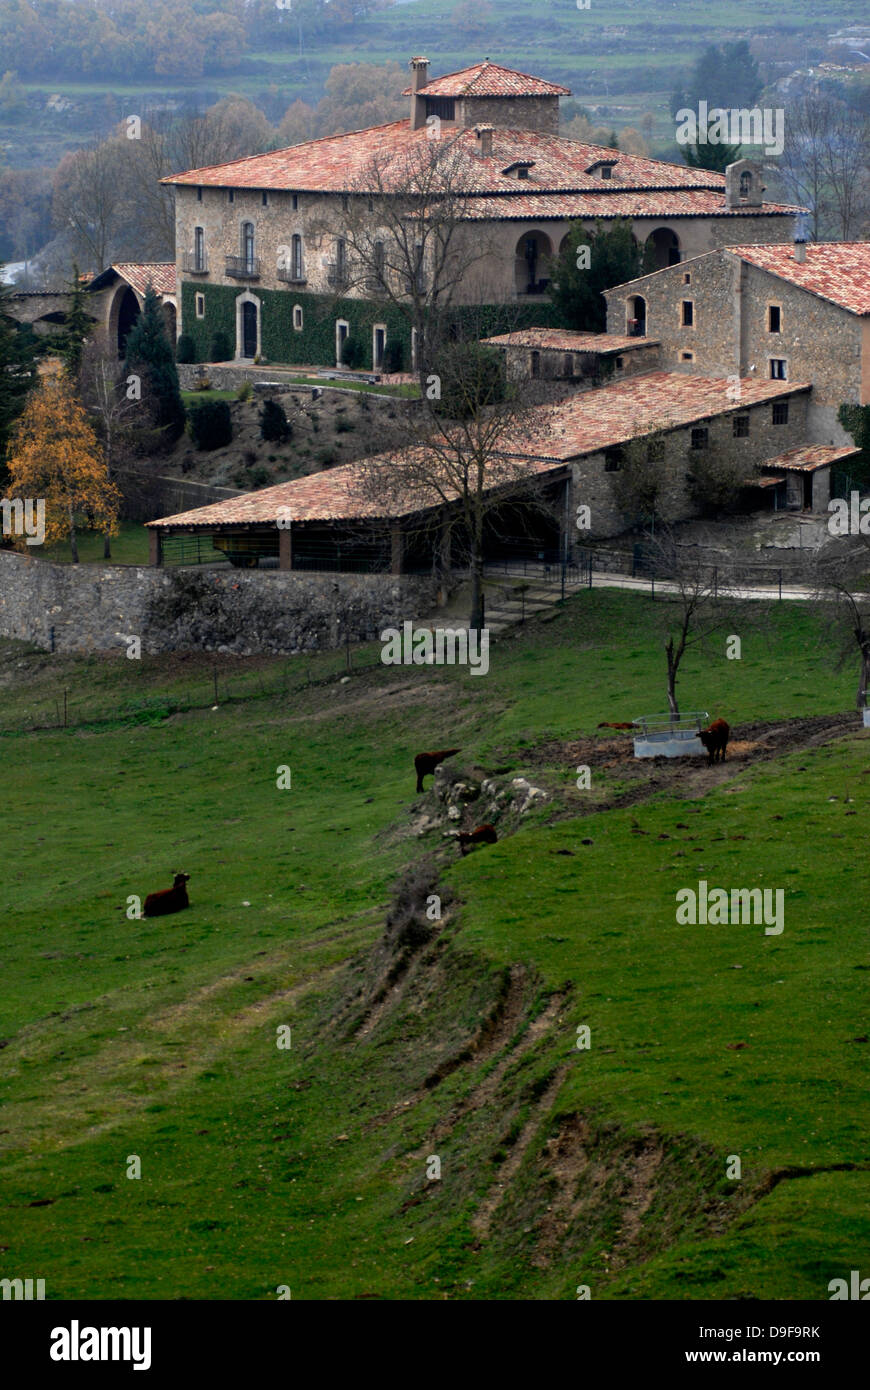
x,y
185,349
244,392
221,349
210,424
352,353
273,422
394,356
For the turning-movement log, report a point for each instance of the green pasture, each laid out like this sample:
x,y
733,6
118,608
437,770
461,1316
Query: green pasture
x,y
306,1167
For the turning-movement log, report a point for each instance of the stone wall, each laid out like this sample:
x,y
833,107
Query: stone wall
x,y
592,483
514,113
82,608
729,334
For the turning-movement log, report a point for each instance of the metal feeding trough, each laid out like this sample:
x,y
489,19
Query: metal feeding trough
x,y
866,713
663,736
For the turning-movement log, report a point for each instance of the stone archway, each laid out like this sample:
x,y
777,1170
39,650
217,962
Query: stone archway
x,y
532,263
124,310
170,320
665,246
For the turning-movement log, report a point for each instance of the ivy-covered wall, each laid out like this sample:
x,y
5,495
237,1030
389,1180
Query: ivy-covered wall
x,y
315,344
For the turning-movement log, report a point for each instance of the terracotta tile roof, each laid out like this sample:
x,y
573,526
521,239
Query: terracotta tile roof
x,y
545,439
490,80
343,164
835,270
659,202
567,340
612,415
344,493
161,274
807,458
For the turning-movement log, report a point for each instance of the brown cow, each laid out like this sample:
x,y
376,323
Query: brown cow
x,y
715,740
168,900
482,835
424,763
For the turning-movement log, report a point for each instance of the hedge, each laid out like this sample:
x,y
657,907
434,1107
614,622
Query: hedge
x,y
315,343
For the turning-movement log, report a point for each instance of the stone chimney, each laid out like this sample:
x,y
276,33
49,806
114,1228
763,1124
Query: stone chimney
x,y
800,239
484,140
419,78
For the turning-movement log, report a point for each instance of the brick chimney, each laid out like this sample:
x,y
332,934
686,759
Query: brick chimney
x,y
419,78
484,140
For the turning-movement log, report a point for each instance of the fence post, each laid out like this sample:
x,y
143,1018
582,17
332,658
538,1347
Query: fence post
x,y
715,581
780,585
564,567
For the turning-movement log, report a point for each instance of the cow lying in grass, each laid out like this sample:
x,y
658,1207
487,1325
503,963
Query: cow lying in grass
x,y
483,835
715,740
168,900
424,763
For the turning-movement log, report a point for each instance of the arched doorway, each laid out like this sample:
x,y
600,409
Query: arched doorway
x,y
128,314
635,316
248,325
665,246
170,320
532,263
249,330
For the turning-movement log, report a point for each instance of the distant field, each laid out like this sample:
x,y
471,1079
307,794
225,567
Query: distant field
x,y
622,55
307,1167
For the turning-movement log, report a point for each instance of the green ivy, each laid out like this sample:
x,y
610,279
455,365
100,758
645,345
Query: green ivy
x,y
282,343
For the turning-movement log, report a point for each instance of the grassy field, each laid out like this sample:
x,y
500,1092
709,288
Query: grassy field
x,y
618,56
307,1166
129,547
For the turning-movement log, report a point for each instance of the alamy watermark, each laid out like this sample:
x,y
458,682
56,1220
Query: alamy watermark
x,y
743,907
850,518
18,518
445,646
737,126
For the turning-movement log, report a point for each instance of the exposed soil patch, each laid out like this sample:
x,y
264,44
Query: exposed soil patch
x,y
689,777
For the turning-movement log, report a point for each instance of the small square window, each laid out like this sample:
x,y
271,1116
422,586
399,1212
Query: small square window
x,y
780,412
740,426
778,369
700,437
688,313
687,357
619,363
613,460
687,279
200,306
774,318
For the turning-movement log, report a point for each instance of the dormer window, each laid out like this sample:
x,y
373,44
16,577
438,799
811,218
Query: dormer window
x,y
602,168
520,168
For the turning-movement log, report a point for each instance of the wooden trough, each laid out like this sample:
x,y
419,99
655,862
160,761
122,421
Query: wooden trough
x,y
663,736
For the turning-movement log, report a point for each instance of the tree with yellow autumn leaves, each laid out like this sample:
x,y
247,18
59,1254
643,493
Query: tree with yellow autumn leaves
x,y
54,454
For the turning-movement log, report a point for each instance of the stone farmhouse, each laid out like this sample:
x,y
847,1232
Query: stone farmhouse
x,y
783,312
569,449
262,245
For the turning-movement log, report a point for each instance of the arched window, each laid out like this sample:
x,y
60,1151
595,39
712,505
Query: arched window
x,y
248,246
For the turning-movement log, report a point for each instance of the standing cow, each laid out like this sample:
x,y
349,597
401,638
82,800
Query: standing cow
x,y
715,740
